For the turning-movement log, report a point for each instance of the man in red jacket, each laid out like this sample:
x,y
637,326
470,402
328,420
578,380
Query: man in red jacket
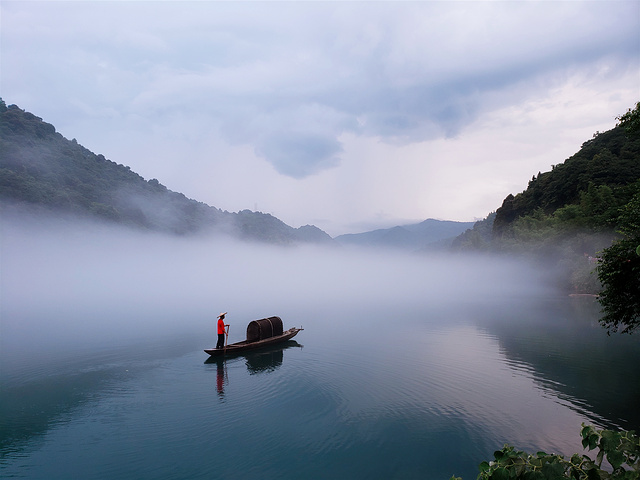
x,y
221,330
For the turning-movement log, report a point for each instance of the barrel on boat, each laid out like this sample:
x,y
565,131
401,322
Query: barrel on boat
x,y
264,328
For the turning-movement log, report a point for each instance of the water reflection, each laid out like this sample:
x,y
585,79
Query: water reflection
x,y
562,344
221,376
261,361
38,394
30,410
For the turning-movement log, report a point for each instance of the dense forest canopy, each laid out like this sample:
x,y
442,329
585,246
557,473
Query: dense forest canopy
x,y
586,190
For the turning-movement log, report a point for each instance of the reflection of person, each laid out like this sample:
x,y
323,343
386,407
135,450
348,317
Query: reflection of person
x,y
221,330
220,377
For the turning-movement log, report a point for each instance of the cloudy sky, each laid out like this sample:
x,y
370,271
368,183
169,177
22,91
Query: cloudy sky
x,y
346,115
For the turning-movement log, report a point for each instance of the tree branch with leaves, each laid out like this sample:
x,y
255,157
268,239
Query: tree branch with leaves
x,y
621,450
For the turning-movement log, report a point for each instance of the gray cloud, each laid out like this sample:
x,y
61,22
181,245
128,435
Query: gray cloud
x,y
290,79
299,154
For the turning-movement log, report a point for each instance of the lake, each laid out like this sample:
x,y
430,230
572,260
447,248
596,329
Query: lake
x,y
407,367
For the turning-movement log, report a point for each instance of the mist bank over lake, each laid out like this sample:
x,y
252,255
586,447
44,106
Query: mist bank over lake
x,y
419,355
126,284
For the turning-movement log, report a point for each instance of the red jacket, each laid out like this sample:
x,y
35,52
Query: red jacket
x,y
220,326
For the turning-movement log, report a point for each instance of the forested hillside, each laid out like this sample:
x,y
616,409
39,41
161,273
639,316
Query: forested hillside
x,y
38,166
585,190
567,216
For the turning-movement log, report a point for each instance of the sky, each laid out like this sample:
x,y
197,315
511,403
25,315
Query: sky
x,y
346,115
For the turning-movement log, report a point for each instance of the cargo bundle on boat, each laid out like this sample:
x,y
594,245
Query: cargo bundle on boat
x,y
260,333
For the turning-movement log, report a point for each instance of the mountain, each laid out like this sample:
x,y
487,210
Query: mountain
x,y
567,216
429,233
582,194
595,179
39,167
478,238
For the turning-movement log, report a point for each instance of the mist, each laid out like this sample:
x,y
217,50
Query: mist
x,y
102,331
66,282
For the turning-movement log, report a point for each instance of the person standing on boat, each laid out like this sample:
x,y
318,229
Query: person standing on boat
x,y
221,330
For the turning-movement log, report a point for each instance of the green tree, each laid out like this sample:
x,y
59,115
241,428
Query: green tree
x,y
598,204
619,274
631,120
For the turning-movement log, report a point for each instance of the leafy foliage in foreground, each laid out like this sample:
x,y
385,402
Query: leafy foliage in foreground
x,y
621,450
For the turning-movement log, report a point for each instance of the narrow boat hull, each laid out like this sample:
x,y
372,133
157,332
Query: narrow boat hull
x,y
246,346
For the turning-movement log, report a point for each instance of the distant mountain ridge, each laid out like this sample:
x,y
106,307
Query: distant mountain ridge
x,y
39,167
415,236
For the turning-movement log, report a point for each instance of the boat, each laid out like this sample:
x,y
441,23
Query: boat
x,y
260,333
245,345
257,355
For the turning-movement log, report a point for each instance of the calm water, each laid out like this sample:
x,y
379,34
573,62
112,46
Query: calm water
x,y
408,366
403,394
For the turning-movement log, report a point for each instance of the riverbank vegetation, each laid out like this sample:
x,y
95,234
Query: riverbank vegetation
x,y
617,458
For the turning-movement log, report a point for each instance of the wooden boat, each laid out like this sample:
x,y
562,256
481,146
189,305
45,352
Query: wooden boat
x,y
260,333
245,345
256,355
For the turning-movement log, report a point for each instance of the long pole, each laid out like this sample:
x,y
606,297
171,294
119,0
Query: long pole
x,y
226,337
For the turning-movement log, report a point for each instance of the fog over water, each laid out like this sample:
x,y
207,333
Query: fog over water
x,y
65,282
409,365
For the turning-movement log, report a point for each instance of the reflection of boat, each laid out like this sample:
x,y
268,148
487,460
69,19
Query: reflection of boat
x,y
267,359
263,360
253,356
260,360
260,333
